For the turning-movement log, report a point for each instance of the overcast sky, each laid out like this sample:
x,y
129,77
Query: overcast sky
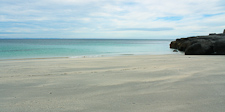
x,y
149,19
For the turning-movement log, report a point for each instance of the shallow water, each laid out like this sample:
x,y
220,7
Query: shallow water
x,y
44,48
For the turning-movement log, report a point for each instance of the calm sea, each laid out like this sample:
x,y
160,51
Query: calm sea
x,y
75,48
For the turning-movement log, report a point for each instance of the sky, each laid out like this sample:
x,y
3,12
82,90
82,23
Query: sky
x,y
110,19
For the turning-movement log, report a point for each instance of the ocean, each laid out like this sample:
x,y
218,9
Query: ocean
x,y
78,48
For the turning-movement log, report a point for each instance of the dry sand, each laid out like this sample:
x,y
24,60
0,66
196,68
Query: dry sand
x,y
154,83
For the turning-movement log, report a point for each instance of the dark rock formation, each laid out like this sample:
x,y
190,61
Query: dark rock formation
x,y
201,45
219,47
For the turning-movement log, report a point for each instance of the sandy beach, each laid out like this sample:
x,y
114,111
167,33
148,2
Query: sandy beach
x,y
142,83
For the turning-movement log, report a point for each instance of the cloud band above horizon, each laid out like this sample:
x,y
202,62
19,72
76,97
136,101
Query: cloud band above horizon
x,y
110,19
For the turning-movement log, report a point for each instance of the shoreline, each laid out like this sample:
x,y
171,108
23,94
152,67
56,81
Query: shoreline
x,y
134,83
37,48
88,56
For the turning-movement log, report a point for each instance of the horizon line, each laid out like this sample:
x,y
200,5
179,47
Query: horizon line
x,y
91,38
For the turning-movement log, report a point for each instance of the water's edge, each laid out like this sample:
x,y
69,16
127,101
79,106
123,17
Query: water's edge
x,y
80,48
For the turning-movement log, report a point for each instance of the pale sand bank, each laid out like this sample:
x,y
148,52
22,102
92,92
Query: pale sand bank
x,y
154,83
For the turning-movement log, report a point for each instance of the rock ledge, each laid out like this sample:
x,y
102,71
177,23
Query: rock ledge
x,y
212,44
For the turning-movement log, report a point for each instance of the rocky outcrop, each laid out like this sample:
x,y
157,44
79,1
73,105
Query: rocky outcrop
x,y
201,45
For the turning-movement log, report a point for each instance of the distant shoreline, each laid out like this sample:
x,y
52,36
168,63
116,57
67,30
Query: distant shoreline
x,y
78,39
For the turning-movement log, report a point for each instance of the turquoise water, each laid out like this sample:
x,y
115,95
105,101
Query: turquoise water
x,y
46,48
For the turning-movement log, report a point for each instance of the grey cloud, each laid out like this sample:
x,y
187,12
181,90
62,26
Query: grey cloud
x,y
144,29
14,33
